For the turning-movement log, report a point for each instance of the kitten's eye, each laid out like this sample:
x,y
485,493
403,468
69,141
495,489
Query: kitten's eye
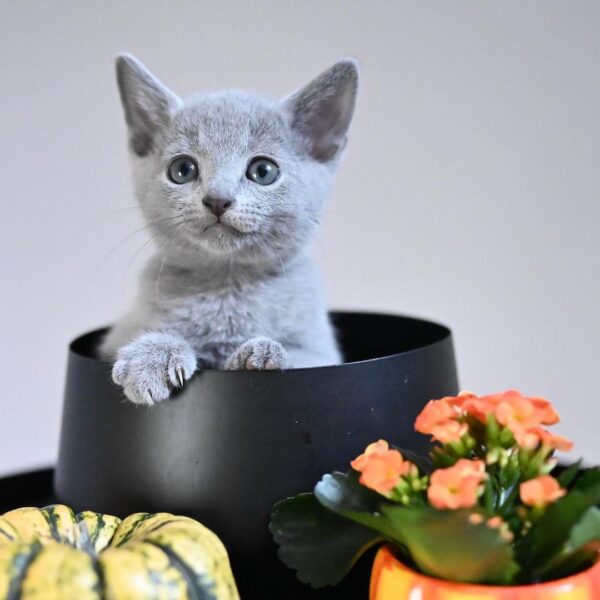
x,y
183,169
262,171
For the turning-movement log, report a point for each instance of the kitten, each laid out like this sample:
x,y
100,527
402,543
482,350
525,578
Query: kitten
x,y
233,186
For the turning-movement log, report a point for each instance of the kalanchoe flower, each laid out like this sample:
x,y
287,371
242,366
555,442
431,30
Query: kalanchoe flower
x,y
554,442
541,491
530,439
381,468
458,486
449,432
376,448
517,412
435,414
445,421
475,407
548,415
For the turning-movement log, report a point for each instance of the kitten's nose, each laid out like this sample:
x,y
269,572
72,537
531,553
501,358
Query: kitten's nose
x,y
217,205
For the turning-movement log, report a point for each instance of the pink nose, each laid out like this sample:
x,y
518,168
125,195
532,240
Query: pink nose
x,y
217,205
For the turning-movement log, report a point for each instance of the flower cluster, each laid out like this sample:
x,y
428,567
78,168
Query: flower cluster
x,y
481,440
486,500
521,417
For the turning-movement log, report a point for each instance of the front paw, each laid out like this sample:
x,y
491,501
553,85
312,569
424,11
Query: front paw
x,y
258,354
152,365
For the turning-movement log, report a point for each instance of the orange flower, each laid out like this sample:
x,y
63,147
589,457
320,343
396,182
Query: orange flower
x,y
458,486
516,412
541,491
511,408
445,419
523,416
530,439
381,468
556,442
460,399
374,449
548,416
448,432
471,404
478,408
436,412
495,522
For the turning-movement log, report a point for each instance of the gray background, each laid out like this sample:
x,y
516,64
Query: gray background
x,y
469,193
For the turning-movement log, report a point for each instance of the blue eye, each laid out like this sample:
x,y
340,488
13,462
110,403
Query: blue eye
x,y
262,171
183,169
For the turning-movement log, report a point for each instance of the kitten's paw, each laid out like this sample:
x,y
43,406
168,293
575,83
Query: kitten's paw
x,y
258,354
152,365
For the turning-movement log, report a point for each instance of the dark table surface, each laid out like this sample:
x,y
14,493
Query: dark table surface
x,y
33,488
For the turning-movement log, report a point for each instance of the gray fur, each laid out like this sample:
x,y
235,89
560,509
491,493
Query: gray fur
x,y
242,293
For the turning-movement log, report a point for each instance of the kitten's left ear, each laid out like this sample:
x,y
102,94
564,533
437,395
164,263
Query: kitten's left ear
x,y
148,104
322,110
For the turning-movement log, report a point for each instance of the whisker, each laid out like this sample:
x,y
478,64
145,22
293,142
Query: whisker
x,y
147,243
144,245
178,228
148,225
162,266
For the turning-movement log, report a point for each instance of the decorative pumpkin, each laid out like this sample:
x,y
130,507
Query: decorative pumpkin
x,y
52,554
391,580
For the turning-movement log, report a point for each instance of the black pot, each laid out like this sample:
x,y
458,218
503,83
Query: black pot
x,y
231,444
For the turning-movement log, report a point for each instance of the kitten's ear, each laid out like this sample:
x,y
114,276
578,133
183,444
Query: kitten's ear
x,y
322,110
148,104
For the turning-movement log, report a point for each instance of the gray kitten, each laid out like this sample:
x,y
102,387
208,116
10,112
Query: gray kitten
x,y
233,186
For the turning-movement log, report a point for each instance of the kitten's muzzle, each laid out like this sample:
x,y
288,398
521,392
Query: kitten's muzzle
x,y
217,205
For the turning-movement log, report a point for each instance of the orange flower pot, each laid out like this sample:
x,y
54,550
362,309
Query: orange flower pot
x,y
391,580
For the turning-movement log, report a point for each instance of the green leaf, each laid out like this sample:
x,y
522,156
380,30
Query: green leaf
x,y
509,490
581,548
489,496
586,531
441,459
320,546
445,544
343,492
569,564
344,495
422,462
437,541
588,479
567,477
548,536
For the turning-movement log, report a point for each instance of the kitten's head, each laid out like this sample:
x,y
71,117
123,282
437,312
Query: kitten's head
x,y
233,173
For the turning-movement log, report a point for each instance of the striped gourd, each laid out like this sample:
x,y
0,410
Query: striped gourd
x,y
53,554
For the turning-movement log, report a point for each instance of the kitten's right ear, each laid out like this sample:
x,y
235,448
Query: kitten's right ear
x,y
149,105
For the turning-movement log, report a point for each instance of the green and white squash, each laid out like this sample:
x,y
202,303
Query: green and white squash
x,y
53,554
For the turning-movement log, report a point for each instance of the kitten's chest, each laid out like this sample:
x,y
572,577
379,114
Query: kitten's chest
x,y
223,317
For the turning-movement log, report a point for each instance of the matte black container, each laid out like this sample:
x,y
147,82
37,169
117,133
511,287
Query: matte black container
x,y
231,444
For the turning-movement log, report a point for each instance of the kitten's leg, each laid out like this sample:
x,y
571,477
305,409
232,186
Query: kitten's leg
x,y
152,365
258,354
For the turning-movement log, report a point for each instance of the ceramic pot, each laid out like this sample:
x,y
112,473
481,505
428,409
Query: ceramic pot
x,y
391,580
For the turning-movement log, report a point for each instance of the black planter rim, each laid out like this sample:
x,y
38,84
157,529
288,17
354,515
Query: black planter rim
x,y
443,334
